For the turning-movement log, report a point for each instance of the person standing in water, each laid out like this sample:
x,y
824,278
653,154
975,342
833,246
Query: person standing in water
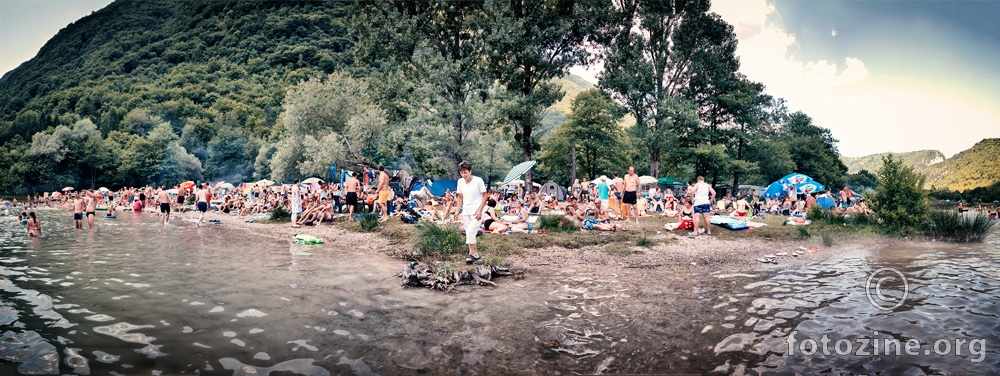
x,y
91,212
78,205
202,197
34,227
164,200
470,191
383,193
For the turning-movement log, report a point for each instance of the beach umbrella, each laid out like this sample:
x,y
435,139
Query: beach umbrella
x,y
808,187
187,184
264,182
103,189
826,202
794,178
312,181
172,191
515,182
57,195
219,184
225,186
67,189
517,171
646,179
775,190
666,180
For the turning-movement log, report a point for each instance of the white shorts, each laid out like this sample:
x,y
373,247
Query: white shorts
x,y
471,228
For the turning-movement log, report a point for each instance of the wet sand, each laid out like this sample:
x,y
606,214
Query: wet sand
x,y
656,309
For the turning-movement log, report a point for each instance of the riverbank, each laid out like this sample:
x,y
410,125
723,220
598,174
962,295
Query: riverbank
x,y
612,307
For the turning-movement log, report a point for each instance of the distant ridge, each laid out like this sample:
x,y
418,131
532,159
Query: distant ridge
x,y
918,160
978,166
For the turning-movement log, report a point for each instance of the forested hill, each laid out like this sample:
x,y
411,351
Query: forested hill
x,y
918,160
978,166
189,61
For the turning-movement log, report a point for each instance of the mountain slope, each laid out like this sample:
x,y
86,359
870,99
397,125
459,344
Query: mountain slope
x,y
918,160
186,60
979,166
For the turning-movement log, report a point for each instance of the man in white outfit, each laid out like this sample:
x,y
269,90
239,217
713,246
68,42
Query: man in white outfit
x,y
469,194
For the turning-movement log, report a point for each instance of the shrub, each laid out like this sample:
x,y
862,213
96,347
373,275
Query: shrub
x,y
446,240
950,225
556,223
815,212
281,215
369,222
899,200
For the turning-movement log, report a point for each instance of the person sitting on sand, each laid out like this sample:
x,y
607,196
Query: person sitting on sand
x,y
492,223
519,225
742,207
575,215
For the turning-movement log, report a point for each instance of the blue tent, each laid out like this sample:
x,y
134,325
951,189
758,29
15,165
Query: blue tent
x,y
826,202
438,187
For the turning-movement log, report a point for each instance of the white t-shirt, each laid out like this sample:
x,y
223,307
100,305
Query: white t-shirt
x,y
472,194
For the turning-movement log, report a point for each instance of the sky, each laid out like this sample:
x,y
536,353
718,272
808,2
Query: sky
x,y
882,75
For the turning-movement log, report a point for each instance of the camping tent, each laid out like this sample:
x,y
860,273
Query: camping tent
x,y
438,187
552,189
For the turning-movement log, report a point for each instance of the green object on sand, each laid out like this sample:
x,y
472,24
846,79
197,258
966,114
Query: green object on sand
x,y
307,239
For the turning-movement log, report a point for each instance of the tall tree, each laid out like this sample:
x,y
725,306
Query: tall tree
x,y
813,149
442,43
594,130
653,50
533,42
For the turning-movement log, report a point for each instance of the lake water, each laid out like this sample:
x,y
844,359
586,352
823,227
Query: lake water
x,y
137,298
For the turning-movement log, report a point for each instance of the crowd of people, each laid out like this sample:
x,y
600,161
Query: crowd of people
x,y
599,205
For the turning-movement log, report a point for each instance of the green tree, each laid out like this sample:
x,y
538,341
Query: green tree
x,y
654,50
861,180
442,45
531,43
594,131
899,200
813,149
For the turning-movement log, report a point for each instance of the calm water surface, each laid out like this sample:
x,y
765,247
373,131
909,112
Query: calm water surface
x,y
135,298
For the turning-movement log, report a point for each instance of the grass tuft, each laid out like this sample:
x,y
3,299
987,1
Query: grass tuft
x,y
827,239
444,240
968,227
368,223
644,241
281,215
556,223
804,233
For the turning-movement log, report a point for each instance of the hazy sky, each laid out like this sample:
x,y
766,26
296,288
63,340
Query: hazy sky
x,y
883,75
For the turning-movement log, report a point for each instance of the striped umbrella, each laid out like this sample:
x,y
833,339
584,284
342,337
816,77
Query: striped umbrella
x,y
517,171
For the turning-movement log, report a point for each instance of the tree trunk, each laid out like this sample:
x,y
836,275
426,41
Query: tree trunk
x,y
654,162
527,174
572,164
